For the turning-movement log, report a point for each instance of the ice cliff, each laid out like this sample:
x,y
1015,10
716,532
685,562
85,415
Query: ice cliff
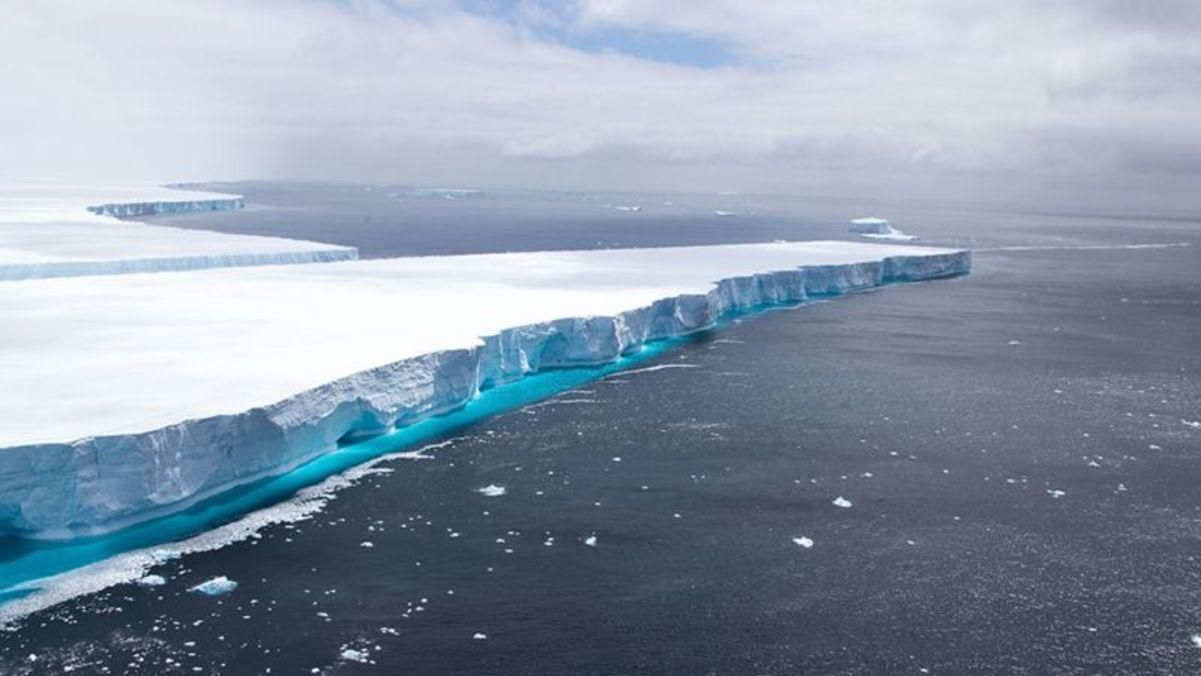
x,y
101,483
50,230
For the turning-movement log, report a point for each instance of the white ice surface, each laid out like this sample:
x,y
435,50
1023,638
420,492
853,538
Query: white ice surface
x,y
124,398
110,355
47,230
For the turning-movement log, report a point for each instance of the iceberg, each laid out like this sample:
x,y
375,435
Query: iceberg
x,y
879,228
58,230
215,587
124,401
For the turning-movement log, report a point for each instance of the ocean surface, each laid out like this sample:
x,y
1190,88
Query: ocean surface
x,y
999,473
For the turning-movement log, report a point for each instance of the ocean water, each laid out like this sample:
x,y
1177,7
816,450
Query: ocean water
x,y
1020,449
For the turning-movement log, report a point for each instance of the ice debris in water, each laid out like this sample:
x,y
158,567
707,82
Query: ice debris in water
x,y
492,491
353,655
1055,493
215,587
842,502
152,581
803,542
479,637
367,544
590,540
1197,640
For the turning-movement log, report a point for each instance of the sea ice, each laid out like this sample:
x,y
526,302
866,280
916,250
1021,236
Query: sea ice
x,y
803,542
215,587
152,581
590,540
842,502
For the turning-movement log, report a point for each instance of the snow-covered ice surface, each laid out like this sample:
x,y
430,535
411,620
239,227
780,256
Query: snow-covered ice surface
x,y
124,400
61,230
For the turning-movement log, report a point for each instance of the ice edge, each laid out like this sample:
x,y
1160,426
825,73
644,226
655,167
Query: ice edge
x,y
100,484
20,271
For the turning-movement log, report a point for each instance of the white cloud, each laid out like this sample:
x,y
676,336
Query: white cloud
x,y
405,91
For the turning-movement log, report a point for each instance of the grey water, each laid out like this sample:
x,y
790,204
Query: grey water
x,y
1020,450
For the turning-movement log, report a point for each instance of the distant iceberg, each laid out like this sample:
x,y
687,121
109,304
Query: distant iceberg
x,y
878,228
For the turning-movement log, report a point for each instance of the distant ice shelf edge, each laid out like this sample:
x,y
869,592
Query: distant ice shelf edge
x,y
99,484
172,263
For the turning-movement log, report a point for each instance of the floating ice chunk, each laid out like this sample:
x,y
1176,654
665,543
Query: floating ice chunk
x,y
590,540
1014,342
878,228
842,502
1195,424
1055,493
367,544
803,542
632,208
718,212
1155,447
215,587
152,581
492,491
352,655
478,636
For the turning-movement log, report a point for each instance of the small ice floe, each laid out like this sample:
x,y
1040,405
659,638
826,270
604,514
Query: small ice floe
x,y
1121,488
151,581
1155,447
1014,342
1055,493
492,491
617,458
590,540
718,212
842,502
803,542
215,587
367,544
1195,424
479,636
1196,640
631,208
352,655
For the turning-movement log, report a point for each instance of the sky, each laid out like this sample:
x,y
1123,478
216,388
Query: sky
x,y
1088,99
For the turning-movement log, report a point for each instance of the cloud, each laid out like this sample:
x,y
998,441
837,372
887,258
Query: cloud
x,y
608,91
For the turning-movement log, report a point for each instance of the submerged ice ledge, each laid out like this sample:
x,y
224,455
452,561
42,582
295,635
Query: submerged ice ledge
x,y
101,483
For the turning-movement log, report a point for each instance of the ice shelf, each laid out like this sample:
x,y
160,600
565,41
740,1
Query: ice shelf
x,y
122,400
64,230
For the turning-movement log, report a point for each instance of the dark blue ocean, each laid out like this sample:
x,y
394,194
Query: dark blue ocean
x,y
1020,450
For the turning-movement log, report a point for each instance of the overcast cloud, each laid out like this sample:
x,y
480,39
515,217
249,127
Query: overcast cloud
x,y
724,94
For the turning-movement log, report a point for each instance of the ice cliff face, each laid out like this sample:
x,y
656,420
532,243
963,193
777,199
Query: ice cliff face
x,y
172,263
101,483
40,238
133,209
